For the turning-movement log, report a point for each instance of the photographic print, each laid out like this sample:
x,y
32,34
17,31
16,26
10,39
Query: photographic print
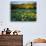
x,y
23,11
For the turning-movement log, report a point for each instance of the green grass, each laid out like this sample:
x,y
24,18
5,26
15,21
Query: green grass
x,y
23,15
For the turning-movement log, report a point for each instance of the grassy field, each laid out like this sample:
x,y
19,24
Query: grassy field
x,y
23,14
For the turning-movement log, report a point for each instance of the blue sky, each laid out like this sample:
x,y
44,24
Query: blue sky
x,y
20,2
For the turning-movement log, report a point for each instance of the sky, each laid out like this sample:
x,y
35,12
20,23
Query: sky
x,y
30,30
20,2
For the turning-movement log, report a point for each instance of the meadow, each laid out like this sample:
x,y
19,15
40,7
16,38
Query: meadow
x,y
23,14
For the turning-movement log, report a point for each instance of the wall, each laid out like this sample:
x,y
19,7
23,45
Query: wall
x,y
11,40
39,44
30,30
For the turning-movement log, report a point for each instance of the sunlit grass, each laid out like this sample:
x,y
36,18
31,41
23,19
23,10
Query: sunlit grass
x,y
23,15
